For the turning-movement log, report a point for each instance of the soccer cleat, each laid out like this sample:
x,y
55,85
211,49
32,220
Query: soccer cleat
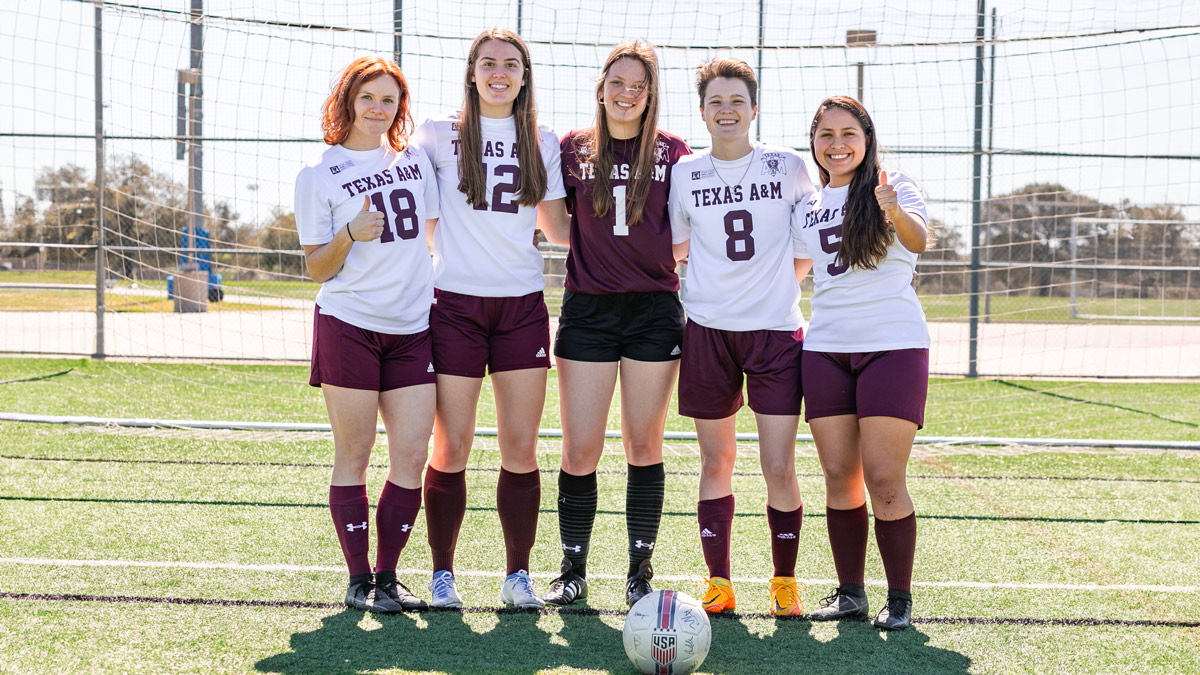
x,y
567,588
638,585
718,596
845,601
444,594
897,614
391,596
785,597
517,591
360,593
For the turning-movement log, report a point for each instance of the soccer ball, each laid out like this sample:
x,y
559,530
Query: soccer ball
x,y
667,632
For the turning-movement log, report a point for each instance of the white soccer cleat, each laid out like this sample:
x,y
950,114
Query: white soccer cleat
x,y
518,591
445,595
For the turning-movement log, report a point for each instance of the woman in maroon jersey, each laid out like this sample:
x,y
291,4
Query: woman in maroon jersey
x,y
621,316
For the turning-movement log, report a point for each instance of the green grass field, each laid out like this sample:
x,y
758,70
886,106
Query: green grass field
x,y
212,552
1001,308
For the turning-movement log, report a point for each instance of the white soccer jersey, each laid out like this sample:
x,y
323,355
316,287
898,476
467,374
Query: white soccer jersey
x,y
859,310
488,252
385,285
740,274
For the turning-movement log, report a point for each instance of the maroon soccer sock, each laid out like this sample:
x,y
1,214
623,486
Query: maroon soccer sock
x,y
348,506
848,539
785,539
395,517
897,540
445,506
518,496
716,527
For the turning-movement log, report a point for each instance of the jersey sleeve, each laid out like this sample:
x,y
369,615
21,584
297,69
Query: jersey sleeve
x,y
426,137
433,204
909,196
799,248
552,156
804,184
681,225
314,217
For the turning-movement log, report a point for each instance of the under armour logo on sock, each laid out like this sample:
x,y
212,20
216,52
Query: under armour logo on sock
x,y
707,533
574,549
541,353
675,351
640,544
786,535
350,527
405,527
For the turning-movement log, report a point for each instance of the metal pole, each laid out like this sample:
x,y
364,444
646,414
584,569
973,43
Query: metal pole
x,y
398,30
101,262
761,42
195,124
520,12
860,81
987,233
976,194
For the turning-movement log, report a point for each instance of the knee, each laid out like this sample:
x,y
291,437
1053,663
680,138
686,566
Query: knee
x,y
841,474
716,467
779,470
884,484
643,451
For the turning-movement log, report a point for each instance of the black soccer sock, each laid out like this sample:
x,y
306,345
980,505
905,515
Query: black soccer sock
x,y
644,489
576,516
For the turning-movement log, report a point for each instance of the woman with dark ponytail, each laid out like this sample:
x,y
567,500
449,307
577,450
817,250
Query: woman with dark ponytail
x,y
865,367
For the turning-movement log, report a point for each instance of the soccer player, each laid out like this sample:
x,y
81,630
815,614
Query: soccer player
x,y
731,213
361,212
621,315
494,167
866,355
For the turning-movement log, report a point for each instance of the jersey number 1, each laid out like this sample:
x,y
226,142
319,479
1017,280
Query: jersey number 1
x,y
620,229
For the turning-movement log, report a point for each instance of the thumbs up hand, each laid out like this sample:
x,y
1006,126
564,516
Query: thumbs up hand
x,y
367,224
886,195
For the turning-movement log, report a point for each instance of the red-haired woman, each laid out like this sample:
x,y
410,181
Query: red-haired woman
x,y
865,366
361,212
494,166
621,316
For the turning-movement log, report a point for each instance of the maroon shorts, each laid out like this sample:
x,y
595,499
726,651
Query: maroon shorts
x,y
867,384
473,335
344,355
710,372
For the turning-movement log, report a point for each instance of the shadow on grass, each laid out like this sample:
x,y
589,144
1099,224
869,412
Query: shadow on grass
x,y
858,647
443,641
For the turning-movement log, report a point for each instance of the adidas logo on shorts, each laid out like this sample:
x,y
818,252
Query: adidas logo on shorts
x,y
675,351
430,368
541,353
707,533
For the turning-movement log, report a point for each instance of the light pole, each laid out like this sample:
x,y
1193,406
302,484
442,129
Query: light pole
x,y
860,38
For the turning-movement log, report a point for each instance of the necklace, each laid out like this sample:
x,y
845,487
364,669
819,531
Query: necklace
x,y
744,173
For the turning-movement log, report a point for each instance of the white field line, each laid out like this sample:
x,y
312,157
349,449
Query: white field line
x,y
163,564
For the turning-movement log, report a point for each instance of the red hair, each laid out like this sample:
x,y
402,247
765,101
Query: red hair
x,y
337,114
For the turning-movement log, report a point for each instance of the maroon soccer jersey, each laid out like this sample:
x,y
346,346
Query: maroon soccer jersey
x,y
607,255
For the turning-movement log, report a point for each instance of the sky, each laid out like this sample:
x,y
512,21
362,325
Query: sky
x,y
1084,79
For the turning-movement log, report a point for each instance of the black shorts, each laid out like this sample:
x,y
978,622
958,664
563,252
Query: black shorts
x,y
606,328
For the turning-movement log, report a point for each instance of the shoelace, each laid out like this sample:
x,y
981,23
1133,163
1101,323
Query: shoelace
x,y
442,585
799,588
523,584
708,586
832,596
896,606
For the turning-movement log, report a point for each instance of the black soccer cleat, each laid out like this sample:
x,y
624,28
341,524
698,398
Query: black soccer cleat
x,y
897,615
360,593
638,585
567,588
392,597
845,601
